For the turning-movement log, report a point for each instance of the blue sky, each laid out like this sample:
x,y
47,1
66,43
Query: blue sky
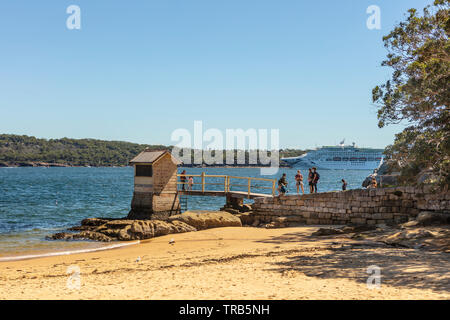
x,y
138,70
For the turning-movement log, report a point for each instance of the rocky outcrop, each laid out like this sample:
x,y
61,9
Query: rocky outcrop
x,y
124,230
405,236
387,175
343,230
106,229
436,238
246,218
426,176
236,206
84,235
382,180
207,219
429,218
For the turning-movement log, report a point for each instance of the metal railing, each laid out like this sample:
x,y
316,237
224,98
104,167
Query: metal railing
x,y
229,183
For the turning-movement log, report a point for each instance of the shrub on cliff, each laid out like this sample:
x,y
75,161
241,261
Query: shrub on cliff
x,y
418,93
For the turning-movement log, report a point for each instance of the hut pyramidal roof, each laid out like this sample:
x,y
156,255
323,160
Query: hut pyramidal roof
x,y
150,156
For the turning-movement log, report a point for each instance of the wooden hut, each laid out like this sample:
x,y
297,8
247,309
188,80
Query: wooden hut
x,y
155,184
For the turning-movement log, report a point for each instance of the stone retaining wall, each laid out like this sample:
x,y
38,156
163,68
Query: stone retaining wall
x,y
361,206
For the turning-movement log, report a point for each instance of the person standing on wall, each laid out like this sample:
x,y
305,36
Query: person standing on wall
x,y
344,185
282,185
183,180
315,180
299,182
190,183
310,180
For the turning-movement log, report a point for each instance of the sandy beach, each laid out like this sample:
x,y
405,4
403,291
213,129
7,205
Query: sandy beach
x,y
233,263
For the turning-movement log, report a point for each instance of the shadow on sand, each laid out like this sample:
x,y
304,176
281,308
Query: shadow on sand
x,y
400,267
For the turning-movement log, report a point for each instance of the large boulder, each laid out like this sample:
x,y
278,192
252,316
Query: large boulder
x,y
343,230
428,218
92,235
126,230
388,167
207,219
388,179
144,229
435,238
426,176
246,218
405,235
386,174
382,180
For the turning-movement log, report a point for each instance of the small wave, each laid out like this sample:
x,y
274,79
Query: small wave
x,y
52,254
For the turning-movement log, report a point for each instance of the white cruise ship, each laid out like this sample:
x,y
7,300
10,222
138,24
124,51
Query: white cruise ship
x,y
339,157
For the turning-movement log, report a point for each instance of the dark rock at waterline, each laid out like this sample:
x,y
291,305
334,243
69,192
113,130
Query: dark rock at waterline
x,y
95,221
60,236
84,235
25,164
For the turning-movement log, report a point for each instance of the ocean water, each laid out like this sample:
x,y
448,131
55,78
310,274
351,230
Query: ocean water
x,y
35,202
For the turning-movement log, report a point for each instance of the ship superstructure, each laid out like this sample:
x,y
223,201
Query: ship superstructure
x,y
339,157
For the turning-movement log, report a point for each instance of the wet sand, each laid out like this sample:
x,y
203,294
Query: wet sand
x,y
233,263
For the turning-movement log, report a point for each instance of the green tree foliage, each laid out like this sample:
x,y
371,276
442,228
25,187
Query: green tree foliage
x,y
418,92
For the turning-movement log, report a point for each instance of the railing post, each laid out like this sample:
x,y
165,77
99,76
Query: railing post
x,y
225,184
203,181
273,187
249,186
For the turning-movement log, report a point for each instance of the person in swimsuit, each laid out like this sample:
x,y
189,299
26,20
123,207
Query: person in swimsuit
x,y
373,183
299,182
190,183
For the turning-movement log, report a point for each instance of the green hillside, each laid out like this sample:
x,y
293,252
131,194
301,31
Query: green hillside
x,y
15,149
27,151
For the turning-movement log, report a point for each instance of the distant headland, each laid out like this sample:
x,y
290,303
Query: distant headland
x,y
29,151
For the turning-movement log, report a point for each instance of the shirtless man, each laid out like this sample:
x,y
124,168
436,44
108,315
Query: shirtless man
x,y
299,182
